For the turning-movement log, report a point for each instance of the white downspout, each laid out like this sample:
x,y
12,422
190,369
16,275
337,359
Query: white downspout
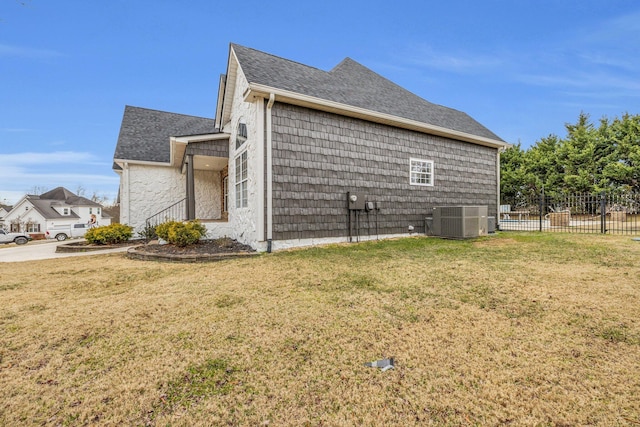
x,y
272,99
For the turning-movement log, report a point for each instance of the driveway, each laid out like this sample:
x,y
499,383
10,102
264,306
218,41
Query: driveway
x,y
42,249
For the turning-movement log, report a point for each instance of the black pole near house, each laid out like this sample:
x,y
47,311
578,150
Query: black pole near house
x,y
603,213
191,199
541,207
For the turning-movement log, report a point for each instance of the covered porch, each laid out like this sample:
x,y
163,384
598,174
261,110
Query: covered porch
x,y
203,161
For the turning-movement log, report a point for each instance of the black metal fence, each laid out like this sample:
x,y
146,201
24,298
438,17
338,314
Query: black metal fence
x,y
575,213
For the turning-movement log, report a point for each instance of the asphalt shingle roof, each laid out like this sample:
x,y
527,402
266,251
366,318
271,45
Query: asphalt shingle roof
x,y
144,133
352,84
59,196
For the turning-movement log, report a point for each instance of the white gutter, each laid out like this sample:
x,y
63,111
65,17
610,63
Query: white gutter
x,y
272,99
262,91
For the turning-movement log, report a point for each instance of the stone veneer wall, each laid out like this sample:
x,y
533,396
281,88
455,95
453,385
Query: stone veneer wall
x,y
318,157
208,188
152,189
243,222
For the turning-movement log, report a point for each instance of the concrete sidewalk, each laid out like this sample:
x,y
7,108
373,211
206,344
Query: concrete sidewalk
x,y
43,249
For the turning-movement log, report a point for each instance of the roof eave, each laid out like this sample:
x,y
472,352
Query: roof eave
x,y
122,162
262,91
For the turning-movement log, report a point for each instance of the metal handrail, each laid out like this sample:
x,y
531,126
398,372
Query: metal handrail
x,y
175,212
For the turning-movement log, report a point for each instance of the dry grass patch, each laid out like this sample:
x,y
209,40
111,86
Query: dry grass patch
x,y
521,329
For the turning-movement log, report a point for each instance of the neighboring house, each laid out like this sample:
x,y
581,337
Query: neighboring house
x,y
289,142
4,210
37,213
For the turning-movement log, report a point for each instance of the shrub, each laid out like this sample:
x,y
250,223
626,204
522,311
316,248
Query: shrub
x,y
180,233
109,234
162,230
148,232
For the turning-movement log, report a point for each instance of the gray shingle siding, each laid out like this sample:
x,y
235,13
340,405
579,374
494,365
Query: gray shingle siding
x,y
213,148
318,157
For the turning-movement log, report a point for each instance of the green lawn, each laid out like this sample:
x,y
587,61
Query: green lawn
x,y
517,329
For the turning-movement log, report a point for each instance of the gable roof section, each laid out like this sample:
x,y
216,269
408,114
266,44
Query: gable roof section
x,y
352,84
58,193
45,208
144,133
64,196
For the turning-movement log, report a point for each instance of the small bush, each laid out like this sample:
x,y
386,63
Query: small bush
x,y
109,234
162,230
148,232
181,234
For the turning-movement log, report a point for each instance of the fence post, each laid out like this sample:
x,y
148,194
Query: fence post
x,y
603,213
541,207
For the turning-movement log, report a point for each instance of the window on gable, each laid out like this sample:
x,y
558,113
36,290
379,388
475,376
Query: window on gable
x,y
241,134
65,211
242,180
421,172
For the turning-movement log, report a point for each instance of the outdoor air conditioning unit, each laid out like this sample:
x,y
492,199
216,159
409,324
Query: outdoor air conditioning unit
x,y
460,222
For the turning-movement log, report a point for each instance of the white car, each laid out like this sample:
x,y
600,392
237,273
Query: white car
x,y
64,232
17,238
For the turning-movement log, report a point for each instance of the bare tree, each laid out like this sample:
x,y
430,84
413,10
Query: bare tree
x,y
36,190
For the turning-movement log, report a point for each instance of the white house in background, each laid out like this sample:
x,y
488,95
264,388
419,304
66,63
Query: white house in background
x,y
36,214
4,210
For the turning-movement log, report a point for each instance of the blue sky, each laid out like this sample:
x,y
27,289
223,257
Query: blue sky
x,y
522,68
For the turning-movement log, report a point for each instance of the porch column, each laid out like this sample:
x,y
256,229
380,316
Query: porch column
x,y
191,197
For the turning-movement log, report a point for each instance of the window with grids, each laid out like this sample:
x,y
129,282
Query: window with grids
x,y
242,179
33,228
421,172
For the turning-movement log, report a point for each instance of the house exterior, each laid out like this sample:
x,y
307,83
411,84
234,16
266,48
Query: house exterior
x,y
289,147
4,210
35,214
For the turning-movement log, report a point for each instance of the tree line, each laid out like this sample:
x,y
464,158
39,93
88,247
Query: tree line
x,y
589,159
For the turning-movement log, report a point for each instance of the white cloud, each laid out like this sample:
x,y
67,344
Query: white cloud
x,y
56,157
24,171
27,52
458,62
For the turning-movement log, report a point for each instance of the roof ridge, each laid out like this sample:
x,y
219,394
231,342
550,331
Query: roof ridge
x,y
168,112
279,57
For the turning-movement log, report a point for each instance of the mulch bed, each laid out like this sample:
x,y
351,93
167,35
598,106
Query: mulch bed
x,y
204,247
203,251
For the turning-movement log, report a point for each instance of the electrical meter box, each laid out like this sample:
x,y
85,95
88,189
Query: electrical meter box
x,y
356,201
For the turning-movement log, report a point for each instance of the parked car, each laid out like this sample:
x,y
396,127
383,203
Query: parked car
x,y
17,238
64,232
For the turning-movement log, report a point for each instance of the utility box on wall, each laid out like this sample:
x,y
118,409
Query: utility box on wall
x,y
356,201
460,222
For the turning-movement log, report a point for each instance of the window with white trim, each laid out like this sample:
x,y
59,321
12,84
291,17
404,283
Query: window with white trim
x,y
421,172
241,134
225,194
242,180
33,228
